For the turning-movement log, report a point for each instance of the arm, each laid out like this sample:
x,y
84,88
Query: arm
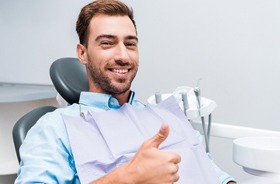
x,y
45,154
148,166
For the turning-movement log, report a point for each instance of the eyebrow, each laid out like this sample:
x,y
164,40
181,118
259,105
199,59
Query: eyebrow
x,y
105,36
130,37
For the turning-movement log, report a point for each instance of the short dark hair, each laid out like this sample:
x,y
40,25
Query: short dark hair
x,y
106,7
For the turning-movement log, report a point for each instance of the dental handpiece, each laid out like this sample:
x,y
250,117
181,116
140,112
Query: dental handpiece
x,y
158,97
185,102
197,94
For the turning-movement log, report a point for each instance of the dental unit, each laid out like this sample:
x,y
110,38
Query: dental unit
x,y
193,105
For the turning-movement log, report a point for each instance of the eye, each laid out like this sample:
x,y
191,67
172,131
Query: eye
x,y
131,44
106,43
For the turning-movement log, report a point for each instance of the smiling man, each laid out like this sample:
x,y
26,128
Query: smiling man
x,y
111,55
117,141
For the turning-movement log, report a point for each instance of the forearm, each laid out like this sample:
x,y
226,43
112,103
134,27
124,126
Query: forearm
x,y
121,176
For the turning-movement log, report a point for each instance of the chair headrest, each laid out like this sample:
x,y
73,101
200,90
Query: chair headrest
x,y
69,78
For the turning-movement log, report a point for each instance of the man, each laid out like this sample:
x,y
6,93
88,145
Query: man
x,y
58,148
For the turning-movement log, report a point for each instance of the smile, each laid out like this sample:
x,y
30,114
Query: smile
x,y
120,70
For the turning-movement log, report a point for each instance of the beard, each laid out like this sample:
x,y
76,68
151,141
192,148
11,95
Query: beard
x,y
103,82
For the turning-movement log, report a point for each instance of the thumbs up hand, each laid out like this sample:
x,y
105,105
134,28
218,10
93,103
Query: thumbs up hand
x,y
151,165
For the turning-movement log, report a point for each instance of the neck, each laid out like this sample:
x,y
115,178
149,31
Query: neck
x,y
122,98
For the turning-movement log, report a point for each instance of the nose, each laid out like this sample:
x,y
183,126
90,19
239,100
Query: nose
x,y
121,53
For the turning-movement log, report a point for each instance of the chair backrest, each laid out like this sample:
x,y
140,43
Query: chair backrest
x,y
22,126
69,78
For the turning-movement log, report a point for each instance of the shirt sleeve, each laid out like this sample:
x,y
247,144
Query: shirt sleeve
x,y
45,153
223,176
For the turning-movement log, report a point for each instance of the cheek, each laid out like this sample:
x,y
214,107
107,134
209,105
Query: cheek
x,y
97,58
103,56
134,56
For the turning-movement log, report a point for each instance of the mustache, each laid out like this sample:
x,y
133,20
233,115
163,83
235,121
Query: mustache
x,y
121,63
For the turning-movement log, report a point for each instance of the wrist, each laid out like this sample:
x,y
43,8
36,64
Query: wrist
x,y
117,176
126,174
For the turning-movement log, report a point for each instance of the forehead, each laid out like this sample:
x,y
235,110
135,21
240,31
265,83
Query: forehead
x,y
120,26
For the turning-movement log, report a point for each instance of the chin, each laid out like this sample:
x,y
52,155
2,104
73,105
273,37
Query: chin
x,y
120,89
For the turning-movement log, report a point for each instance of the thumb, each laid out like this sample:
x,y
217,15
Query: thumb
x,y
160,136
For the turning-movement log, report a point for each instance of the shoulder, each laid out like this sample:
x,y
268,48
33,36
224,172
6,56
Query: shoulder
x,y
55,118
47,140
51,125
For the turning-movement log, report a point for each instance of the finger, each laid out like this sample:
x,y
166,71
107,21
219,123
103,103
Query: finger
x,y
160,136
173,157
175,168
177,158
176,177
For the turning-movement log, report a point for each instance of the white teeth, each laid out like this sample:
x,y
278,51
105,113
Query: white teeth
x,y
120,70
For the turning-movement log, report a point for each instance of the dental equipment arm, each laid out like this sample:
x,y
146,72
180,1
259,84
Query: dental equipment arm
x,y
206,135
192,104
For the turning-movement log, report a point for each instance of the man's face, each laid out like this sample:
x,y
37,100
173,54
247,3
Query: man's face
x,y
112,54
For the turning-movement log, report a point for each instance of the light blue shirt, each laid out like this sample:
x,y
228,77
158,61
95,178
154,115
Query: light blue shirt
x,y
46,155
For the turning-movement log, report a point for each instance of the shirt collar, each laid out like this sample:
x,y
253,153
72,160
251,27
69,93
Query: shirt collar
x,y
101,100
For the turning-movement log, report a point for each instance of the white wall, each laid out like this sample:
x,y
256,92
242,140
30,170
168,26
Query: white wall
x,y
234,46
33,34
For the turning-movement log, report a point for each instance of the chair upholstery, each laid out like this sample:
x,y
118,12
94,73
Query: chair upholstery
x,y
69,78
22,126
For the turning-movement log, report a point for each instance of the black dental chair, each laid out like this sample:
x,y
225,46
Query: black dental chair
x,y
69,78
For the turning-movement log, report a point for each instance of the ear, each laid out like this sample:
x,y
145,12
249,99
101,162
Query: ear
x,y
81,53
